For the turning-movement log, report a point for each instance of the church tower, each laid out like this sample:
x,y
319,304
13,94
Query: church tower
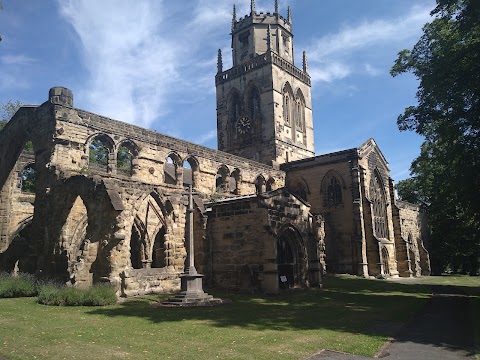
x,y
264,103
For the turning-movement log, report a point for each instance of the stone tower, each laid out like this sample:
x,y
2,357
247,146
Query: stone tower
x,y
264,104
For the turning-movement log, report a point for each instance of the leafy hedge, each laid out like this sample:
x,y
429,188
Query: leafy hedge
x,y
20,285
59,295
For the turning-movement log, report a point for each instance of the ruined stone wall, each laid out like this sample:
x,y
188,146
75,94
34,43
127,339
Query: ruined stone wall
x,y
413,222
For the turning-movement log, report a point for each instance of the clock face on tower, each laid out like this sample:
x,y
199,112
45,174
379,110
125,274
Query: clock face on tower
x,y
244,125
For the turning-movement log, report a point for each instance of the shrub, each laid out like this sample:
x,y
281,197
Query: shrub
x,y
60,295
20,285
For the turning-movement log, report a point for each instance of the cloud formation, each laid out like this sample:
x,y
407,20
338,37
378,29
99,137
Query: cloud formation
x,y
335,55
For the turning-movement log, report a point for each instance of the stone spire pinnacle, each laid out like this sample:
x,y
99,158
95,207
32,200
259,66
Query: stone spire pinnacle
x,y
252,7
220,62
289,15
276,6
305,64
234,17
269,38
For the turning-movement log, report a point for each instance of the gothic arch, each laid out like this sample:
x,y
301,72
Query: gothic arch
x,y
270,184
191,167
331,188
148,238
378,201
125,152
171,168
235,181
288,107
300,187
300,112
291,257
99,147
222,179
260,184
234,105
253,101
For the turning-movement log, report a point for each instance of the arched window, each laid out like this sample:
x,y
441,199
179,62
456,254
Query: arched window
x,y
334,192
190,168
27,178
260,184
221,183
300,112
98,153
288,109
235,182
125,156
385,261
270,184
379,208
170,169
253,101
158,251
235,106
299,189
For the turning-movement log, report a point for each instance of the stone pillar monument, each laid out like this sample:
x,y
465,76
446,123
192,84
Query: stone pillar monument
x,y
191,293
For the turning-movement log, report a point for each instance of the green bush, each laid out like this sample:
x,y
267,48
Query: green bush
x,y
59,295
19,285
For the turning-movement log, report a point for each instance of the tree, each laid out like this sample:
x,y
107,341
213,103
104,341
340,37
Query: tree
x,y
446,60
7,110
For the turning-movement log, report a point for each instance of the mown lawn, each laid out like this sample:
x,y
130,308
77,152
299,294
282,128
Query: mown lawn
x,y
350,314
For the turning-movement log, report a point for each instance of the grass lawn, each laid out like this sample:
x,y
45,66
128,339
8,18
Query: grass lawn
x,y
350,314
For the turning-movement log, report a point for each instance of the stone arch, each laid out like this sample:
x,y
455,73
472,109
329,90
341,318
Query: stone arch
x,y
290,258
288,108
269,186
150,230
253,101
235,106
20,252
332,189
300,187
222,179
99,150
126,153
28,178
191,167
300,114
235,181
260,184
385,261
171,169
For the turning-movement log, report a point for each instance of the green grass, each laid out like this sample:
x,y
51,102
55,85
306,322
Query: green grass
x,y
21,285
343,316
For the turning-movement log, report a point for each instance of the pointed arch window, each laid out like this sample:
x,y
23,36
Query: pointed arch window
x,y
235,106
254,103
334,192
379,208
125,155
288,108
99,152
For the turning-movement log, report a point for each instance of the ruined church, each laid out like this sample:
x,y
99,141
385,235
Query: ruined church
x,y
96,200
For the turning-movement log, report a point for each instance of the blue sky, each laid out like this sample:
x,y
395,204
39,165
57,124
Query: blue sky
x,y
153,62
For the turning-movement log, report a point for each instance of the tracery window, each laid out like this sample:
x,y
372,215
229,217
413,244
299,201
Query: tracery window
x,y
379,208
334,192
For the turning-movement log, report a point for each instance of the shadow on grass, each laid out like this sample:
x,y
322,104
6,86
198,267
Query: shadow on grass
x,y
346,304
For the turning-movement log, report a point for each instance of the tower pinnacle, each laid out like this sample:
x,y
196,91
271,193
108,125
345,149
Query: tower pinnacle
x,y
269,38
289,15
252,7
276,7
305,64
234,17
220,61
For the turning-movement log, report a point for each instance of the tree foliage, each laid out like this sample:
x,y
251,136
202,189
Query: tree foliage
x,y
445,176
7,110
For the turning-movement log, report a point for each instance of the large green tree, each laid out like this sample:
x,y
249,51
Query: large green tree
x,y
446,175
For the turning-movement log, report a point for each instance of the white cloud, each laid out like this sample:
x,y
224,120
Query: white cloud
x,y
353,41
329,72
204,138
16,60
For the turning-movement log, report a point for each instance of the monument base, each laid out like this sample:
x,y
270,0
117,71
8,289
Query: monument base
x,y
192,293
